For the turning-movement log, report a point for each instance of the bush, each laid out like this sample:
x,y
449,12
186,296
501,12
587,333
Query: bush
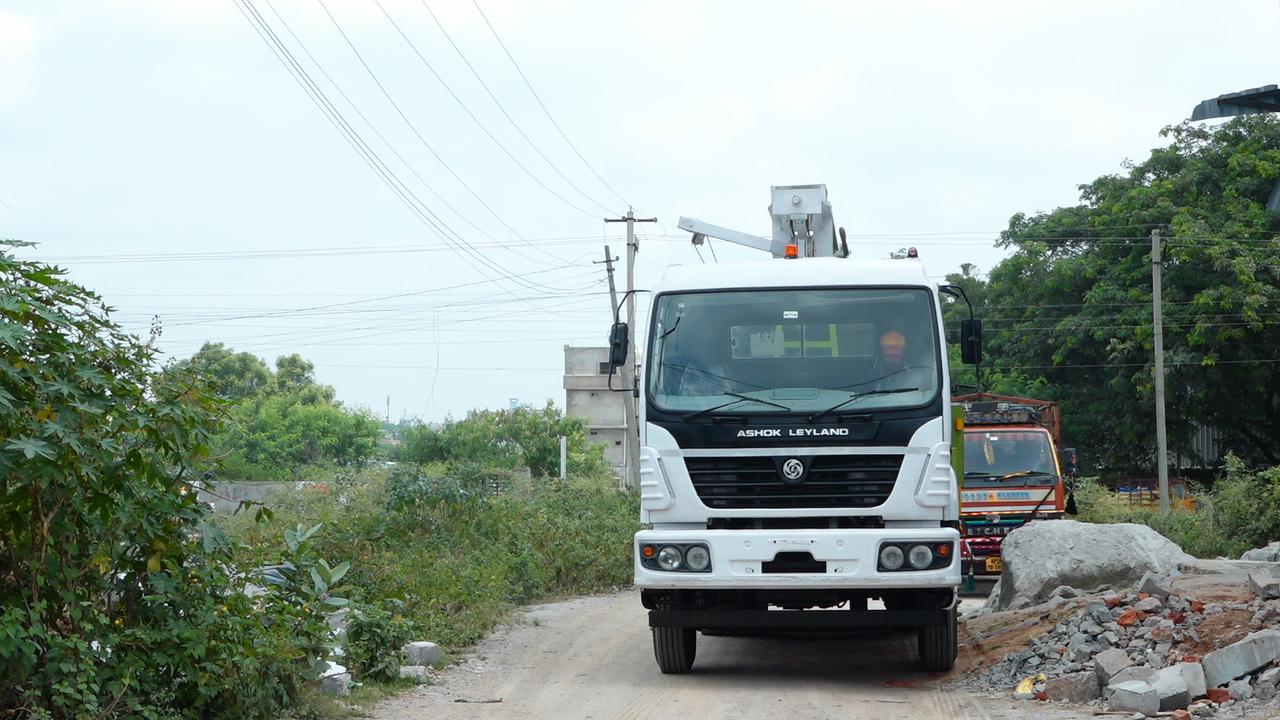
x,y
375,634
459,545
1240,511
117,597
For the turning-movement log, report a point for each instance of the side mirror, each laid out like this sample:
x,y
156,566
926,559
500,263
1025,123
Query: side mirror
x,y
618,346
971,341
1067,460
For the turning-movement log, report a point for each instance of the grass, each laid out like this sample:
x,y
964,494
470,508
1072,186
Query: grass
x,y
460,547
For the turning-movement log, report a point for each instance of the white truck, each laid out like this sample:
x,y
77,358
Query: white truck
x,y
795,451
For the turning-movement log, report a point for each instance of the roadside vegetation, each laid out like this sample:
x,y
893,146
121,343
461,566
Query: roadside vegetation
x,y
1239,511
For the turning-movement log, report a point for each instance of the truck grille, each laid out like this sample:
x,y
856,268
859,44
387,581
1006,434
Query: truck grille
x,y
844,481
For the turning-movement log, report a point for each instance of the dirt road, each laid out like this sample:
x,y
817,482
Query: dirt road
x,y
592,658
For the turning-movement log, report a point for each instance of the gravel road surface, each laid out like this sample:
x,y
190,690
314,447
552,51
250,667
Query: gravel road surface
x,y
592,658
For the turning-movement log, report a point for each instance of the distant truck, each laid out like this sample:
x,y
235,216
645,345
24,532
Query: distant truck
x,y
1013,473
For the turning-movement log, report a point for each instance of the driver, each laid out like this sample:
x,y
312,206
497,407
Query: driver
x,y
892,368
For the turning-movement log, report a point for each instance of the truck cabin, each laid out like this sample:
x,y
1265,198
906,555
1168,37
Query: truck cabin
x,y
1005,446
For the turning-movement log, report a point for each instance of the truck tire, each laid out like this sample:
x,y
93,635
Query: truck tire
x,y
674,648
938,645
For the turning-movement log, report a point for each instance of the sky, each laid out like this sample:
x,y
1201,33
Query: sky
x,y
443,250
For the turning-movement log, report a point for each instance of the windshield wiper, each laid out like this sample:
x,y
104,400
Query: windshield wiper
x,y
856,397
977,474
1022,473
739,398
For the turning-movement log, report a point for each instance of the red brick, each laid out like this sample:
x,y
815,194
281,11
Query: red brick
x,y
1219,695
1190,658
1129,618
1181,715
1197,606
1042,696
1178,617
1112,601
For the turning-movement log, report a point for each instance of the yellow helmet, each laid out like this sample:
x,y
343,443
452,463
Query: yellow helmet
x,y
893,338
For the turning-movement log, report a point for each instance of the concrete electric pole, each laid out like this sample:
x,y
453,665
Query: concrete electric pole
x,y
632,466
1157,324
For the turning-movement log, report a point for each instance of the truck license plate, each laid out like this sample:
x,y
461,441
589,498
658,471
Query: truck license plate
x,y
993,565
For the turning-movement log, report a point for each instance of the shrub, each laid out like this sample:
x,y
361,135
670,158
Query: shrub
x,y
375,634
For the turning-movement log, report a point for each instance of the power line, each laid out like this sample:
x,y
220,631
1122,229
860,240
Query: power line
x,y
542,105
480,124
506,114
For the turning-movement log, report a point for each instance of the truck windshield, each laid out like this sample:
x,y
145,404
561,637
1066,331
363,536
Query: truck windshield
x,y
997,453
810,350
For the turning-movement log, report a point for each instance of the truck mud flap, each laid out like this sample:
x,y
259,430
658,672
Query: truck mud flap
x,y
796,619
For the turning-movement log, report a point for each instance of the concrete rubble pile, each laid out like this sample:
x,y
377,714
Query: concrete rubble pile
x,y
1133,652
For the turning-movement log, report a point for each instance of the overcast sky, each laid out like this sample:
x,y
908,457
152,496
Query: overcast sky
x,y
162,152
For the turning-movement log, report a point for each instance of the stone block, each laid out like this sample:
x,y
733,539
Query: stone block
x,y
1193,676
1109,662
1149,605
1267,586
422,652
1134,673
1080,687
336,684
1155,585
1241,658
1240,689
415,672
1172,689
1133,696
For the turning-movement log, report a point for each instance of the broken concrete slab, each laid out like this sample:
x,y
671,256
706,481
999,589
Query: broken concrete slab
x,y
1148,605
422,652
1172,689
1240,689
1080,687
1133,696
1241,658
1155,585
1041,556
1109,662
1270,553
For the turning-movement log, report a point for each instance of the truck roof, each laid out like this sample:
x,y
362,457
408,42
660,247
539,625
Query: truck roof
x,y
802,272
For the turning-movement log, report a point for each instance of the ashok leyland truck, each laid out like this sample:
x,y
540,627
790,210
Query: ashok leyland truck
x,y
796,434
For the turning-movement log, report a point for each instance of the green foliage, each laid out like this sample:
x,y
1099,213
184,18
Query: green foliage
x,y
460,545
281,421
375,634
1071,307
1240,511
117,597
524,437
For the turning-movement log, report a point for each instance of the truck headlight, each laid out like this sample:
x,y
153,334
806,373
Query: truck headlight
x,y
697,558
891,557
920,556
669,558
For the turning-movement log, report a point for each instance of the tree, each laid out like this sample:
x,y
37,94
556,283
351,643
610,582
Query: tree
x,y
1072,305
234,376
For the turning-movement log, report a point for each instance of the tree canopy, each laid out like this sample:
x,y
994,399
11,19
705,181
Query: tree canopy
x,y
1068,314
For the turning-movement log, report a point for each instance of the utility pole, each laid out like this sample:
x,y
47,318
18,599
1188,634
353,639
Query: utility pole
x,y
628,400
1157,311
632,468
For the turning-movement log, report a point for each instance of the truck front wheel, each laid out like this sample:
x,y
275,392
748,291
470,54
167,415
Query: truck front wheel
x,y
938,644
674,648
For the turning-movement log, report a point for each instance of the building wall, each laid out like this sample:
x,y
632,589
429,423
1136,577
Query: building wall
x,y
588,397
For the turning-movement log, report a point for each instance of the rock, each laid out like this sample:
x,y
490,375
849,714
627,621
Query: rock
x,y
1066,591
1077,688
1270,676
1172,689
415,672
1089,627
1181,714
422,652
1200,709
335,680
1149,605
1109,662
1240,689
1193,676
1241,658
1128,618
1155,585
1267,586
1135,672
1270,553
1134,695
1043,555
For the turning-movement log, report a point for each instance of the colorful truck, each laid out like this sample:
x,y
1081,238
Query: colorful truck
x,y
1013,472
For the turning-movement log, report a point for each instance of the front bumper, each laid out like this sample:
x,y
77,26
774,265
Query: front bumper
x,y
738,558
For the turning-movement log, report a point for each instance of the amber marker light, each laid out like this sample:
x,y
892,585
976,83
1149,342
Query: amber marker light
x,y
944,549
648,551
